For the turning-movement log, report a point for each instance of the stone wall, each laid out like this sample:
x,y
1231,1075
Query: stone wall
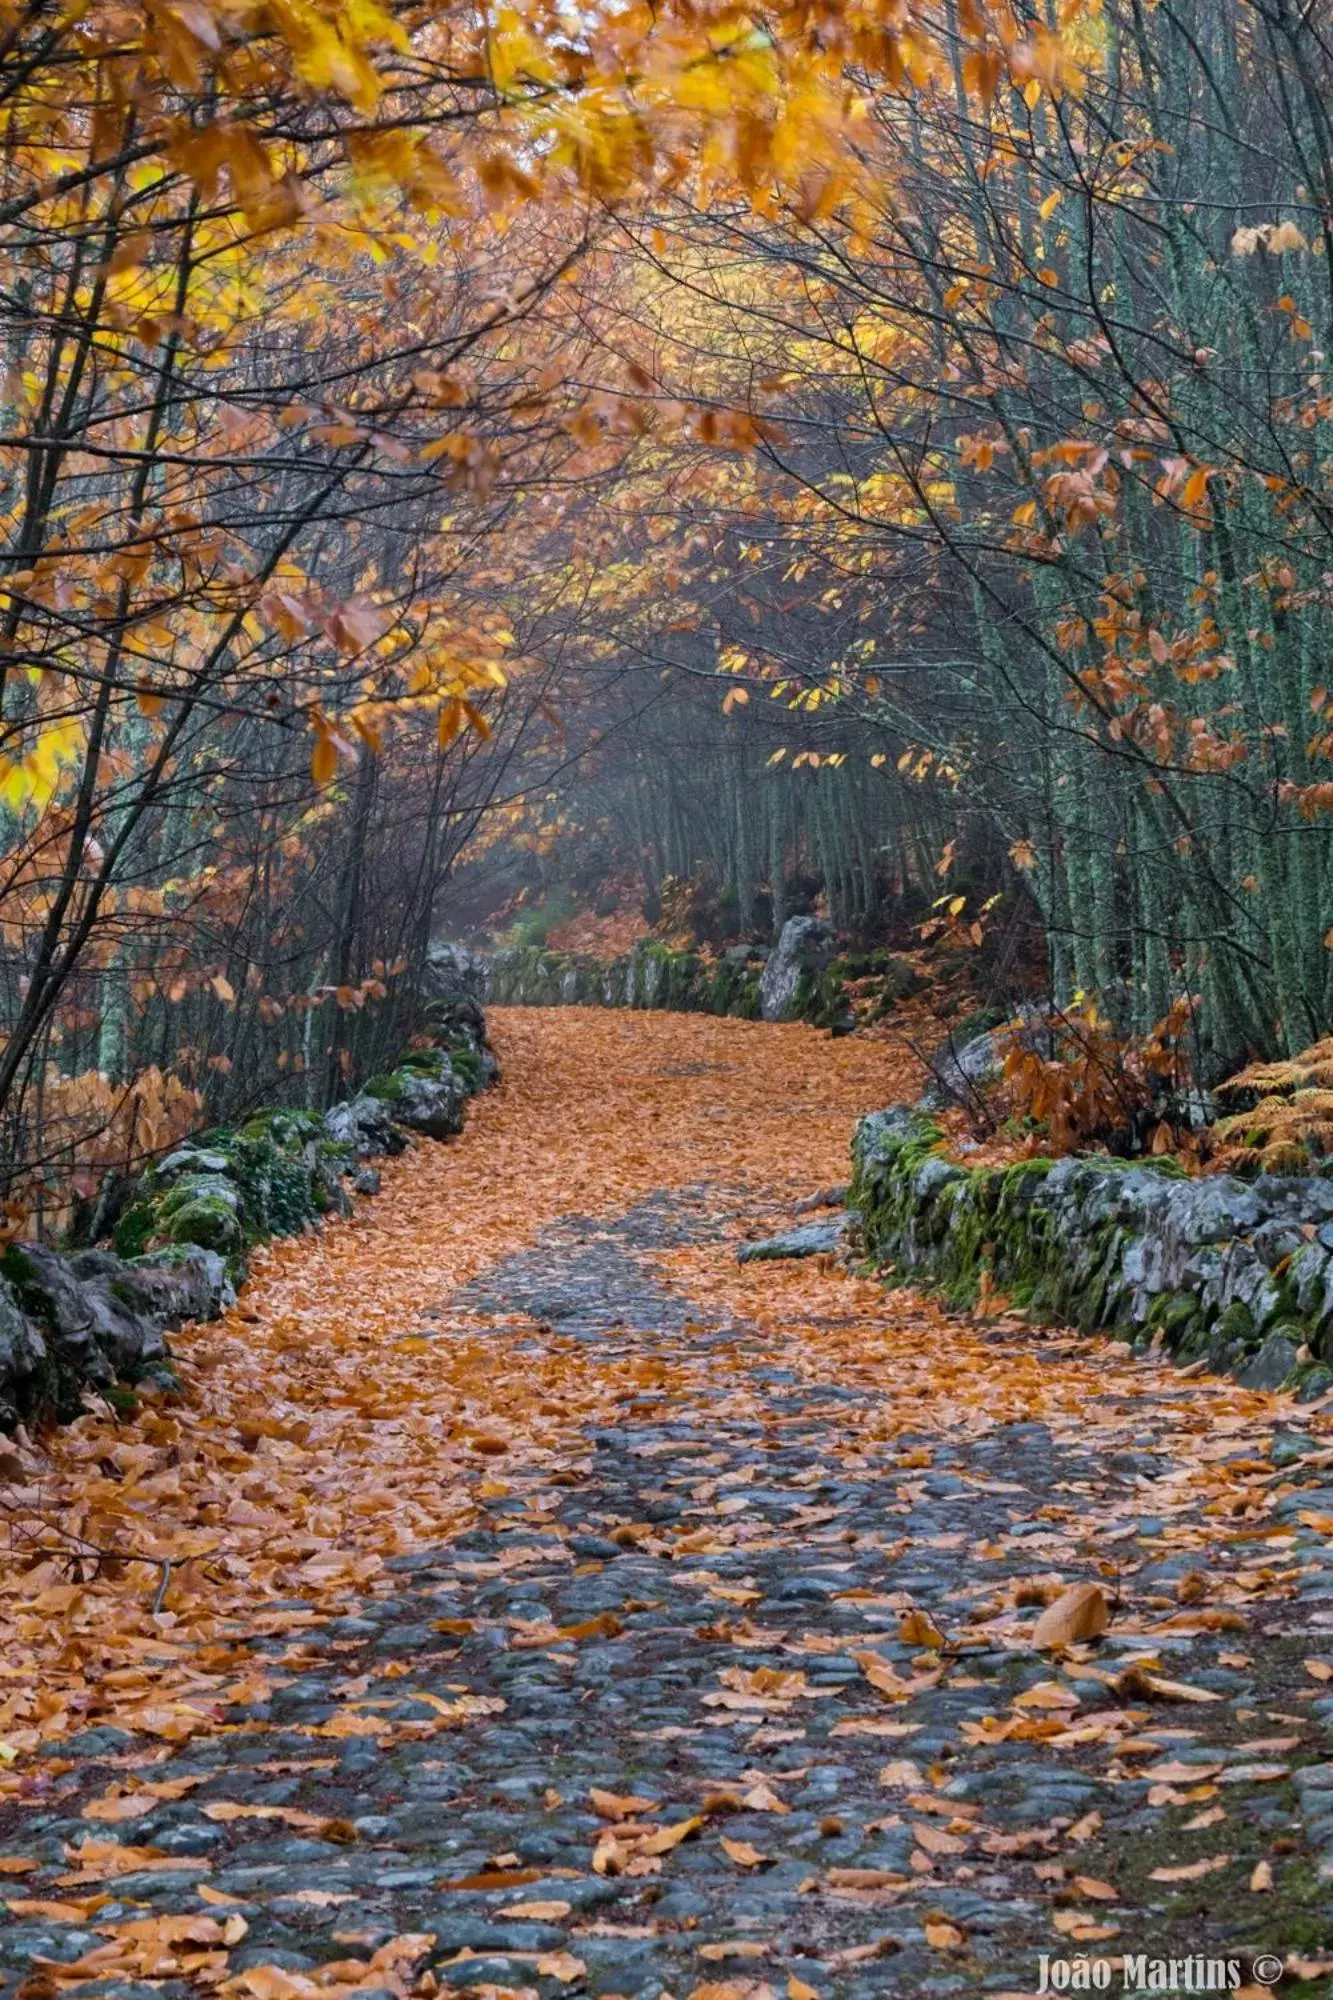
x,y
97,1319
803,979
652,975
1238,1274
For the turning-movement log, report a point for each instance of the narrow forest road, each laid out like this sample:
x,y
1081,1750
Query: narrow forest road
x,y
535,1600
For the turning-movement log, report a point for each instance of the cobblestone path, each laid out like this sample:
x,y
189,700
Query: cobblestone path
x,y
724,1688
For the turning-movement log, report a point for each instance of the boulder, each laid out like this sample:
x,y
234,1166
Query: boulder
x,y
431,1105
366,1125
90,1320
459,1027
452,972
1271,1366
24,1363
203,1208
185,1281
806,948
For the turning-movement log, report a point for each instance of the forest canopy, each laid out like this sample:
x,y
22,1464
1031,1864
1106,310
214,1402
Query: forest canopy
x,y
844,454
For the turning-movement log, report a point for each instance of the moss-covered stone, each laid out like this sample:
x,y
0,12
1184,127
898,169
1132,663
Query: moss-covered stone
x,y
1100,1243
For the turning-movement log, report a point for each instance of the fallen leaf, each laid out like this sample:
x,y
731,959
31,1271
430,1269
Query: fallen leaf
x,y
1081,1612
561,1965
668,1837
617,1806
742,1853
1190,1871
901,1775
918,1628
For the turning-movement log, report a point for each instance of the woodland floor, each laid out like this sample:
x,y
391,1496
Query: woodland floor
x,y
521,1601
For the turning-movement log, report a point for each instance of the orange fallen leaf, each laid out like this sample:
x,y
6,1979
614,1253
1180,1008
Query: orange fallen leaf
x,y
1047,1694
619,1806
918,1628
901,1774
668,1837
742,1853
1081,1612
561,1965
1190,1871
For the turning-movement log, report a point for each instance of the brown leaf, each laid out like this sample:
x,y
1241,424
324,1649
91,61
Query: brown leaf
x,y
1081,1612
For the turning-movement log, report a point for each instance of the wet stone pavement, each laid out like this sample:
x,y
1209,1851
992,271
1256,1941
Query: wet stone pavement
x,y
593,1747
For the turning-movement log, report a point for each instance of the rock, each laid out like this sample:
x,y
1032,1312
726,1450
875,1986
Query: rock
x,y
366,1180
431,1105
806,947
69,1323
812,1239
833,1197
191,1282
191,1160
365,1124
961,1073
23,1361
48,1291
452,972
203,1208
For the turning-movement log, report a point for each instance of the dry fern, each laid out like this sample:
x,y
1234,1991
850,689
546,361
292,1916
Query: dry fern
x,y
1287,1127
1311,1069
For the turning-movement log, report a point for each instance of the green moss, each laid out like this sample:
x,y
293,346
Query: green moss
x,y
821,998
389,1089
286,1129
1236,1323
209,1221
466,1064
134,1229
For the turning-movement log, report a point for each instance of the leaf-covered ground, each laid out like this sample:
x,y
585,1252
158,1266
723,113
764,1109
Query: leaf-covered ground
x,y
530,1599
